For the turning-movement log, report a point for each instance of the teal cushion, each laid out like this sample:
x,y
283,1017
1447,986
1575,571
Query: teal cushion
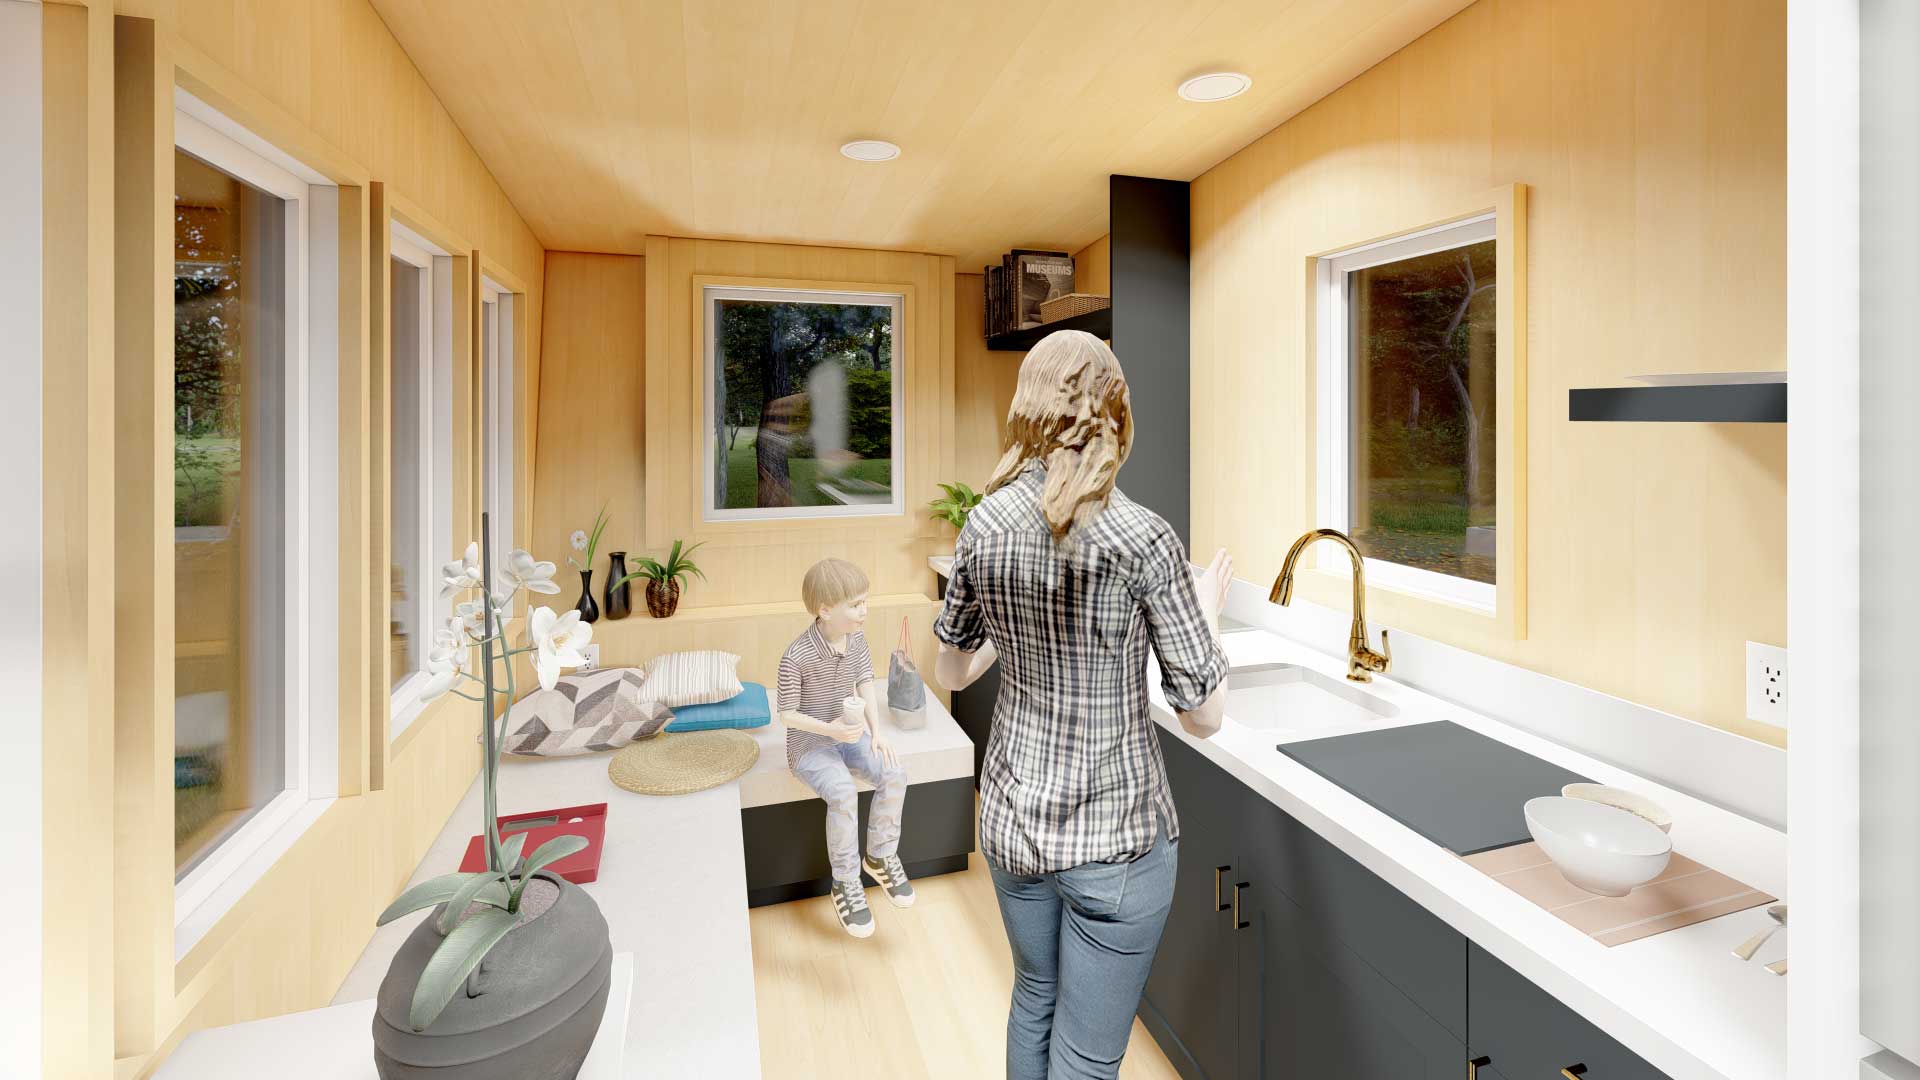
x,y
746,709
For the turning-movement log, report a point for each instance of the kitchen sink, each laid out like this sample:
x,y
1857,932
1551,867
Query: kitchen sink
x,y
1299,702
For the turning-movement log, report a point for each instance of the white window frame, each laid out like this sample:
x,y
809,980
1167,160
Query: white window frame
x,y
1336,426
311,409
709,342
498,464
433,368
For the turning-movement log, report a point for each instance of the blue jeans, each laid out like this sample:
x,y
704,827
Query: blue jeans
x,y
1083,941
830,770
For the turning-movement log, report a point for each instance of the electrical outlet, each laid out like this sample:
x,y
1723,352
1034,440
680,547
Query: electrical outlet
x,y
592,653
1767,684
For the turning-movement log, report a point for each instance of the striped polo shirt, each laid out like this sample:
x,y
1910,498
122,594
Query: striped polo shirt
x,y
814,680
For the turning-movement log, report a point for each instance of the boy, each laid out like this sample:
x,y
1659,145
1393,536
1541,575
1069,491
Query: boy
x,y
830,704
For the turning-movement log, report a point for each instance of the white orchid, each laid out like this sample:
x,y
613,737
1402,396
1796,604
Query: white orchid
x,y
524,572
470,617
445,663
462,573
558,641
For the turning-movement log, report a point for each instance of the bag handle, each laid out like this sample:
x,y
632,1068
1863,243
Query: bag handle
x,y
906,641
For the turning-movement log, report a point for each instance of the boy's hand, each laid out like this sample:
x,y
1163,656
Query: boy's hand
x,y
846,733
885,752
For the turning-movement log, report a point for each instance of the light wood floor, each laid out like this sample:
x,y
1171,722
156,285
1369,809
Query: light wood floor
x,y
925,996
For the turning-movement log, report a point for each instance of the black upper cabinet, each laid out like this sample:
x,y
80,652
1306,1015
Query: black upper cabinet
x,y
1152,310
1192,993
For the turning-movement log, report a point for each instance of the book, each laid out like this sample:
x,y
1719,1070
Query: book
x,y
1038,279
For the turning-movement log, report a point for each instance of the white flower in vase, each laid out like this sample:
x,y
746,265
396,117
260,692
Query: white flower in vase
x,y
523,571
558,641
462,573
578,539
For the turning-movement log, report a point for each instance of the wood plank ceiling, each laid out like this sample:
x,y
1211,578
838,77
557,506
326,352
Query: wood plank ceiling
x,y
607,120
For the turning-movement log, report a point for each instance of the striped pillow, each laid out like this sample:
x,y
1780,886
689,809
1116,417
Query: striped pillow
x,y
691,678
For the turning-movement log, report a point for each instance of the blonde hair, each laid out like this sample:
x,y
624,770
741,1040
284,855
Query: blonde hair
x,y
831,582
1070,410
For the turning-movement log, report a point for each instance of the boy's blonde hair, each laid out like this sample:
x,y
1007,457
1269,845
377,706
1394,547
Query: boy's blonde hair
x,y
830,582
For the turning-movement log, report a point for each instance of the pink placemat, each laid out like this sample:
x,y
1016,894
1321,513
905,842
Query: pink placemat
x,y
1685,894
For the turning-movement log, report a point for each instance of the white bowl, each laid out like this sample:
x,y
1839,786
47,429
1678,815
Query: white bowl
x,y
1602,849
1626,800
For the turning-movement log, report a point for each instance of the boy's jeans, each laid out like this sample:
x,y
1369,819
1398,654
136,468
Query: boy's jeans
x,y
830,771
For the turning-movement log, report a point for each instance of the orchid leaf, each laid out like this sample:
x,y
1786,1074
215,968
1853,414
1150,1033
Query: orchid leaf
x,y
545,855
425,895
510,851
456,958
469,892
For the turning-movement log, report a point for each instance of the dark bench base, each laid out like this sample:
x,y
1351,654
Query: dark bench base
x,y
786,843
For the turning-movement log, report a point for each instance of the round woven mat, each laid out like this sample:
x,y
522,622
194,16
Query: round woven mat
x,y
680,763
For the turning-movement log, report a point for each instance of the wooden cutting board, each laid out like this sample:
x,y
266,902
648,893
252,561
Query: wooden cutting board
x,y
1686,893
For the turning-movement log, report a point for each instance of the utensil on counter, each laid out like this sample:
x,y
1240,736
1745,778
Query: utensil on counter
x,y
1776,912
1632,802
1602,849
1778,967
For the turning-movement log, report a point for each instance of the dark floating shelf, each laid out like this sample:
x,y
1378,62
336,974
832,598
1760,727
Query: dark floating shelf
x,y
1098,323
1723,403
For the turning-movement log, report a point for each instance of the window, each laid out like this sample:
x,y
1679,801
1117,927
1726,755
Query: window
x,y
496,450
255,372
420,487
804,403
1407,379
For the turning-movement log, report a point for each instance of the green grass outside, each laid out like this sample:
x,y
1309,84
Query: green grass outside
x,y
204,468
1422,521
743,478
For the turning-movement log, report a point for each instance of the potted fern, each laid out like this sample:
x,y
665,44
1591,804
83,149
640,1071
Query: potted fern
x,y
664,579
530,948
954,506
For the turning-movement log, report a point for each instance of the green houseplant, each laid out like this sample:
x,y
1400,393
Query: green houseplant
x,y
954,506
530,948
664,579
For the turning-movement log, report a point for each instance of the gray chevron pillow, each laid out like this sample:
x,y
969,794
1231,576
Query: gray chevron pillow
x,y
584,713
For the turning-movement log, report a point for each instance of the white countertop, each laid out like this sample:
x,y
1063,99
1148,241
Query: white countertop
x,y
941,564
673,888
1678,999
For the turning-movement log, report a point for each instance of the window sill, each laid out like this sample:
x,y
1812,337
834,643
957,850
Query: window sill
x,y
194,926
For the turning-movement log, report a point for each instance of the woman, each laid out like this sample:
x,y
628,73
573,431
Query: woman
x,y
1066,582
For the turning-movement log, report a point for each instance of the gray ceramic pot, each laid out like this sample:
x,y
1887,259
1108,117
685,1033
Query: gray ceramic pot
x,y
530,1011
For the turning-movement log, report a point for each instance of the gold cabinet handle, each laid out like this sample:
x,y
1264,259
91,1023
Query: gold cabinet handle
x,y
1574,1072
1219,904
1238,923
1474,1066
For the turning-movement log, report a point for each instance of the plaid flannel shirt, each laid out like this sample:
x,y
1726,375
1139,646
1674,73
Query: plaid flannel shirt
x,y
1072,771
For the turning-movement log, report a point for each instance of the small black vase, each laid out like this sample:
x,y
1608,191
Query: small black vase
x,y
589,611
619,597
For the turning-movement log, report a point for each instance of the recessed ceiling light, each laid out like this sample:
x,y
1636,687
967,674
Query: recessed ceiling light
x,y
1215,86
870,150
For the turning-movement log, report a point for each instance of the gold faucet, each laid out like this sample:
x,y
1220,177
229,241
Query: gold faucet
x,y
1362,661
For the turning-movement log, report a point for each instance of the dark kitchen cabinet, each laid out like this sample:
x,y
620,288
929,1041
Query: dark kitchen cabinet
x,y
1526,1032
1274,988
1191,1004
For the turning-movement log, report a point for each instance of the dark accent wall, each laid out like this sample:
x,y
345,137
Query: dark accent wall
x,y
1150,237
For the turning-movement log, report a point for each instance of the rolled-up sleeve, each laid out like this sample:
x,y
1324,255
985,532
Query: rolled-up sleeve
x,y
962,624
1192,664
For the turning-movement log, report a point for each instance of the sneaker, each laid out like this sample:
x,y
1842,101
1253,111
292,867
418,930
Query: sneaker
x,y
890,875
850,904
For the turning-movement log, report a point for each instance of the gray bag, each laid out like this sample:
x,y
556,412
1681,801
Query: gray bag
x,y
906,693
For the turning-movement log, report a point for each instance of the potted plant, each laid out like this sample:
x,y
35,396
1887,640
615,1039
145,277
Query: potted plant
x,y
954,506
664,578
529,948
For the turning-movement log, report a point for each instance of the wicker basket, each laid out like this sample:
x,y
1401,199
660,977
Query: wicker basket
x,y
1066,307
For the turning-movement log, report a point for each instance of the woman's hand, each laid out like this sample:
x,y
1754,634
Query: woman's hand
x,y
1212,585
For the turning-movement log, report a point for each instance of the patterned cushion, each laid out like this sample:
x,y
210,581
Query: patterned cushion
x,y
584,713
691,678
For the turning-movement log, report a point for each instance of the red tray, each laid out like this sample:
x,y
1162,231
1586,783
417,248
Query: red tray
x,y
543,825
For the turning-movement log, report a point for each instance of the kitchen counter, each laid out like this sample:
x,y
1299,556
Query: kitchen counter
x,y
1679,999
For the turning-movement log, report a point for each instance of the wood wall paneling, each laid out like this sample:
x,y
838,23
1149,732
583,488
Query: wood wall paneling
x,y
1652,142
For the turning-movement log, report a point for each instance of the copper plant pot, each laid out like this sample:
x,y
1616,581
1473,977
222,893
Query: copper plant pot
x,y
663,598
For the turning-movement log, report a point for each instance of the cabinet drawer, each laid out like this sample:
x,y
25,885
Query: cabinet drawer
x,y
1530,1035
